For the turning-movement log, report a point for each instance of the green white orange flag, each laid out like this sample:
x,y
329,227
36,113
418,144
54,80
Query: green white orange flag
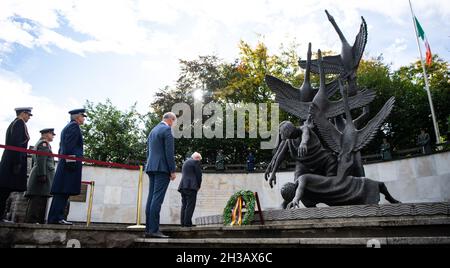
x,y
421,34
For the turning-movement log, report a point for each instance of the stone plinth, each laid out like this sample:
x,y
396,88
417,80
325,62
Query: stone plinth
x,y
364,211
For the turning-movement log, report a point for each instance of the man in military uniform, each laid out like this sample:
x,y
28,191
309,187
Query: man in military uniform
x,y
13,166
67,181
41,178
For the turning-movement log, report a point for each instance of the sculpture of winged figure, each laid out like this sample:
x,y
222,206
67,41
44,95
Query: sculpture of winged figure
x,y
298,101
332,172
346,64
342,189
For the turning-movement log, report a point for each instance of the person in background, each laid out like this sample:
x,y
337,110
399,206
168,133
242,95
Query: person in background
x,y
220,161
41,178
424,141
13,166
190,183
188,155
385,150
250,162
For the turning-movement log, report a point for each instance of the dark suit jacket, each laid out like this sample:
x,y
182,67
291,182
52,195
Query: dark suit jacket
x,y
68,181
191,178
13,167
161,150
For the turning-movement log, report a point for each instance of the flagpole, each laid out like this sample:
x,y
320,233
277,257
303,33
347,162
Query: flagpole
x,y
427,86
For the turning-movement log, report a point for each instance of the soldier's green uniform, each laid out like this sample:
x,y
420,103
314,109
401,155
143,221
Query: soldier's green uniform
x,y
40,182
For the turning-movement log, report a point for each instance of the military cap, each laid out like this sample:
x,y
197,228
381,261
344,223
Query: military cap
x,y
23,110
48,130
78,111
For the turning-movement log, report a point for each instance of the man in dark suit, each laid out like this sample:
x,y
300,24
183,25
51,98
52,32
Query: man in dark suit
x,y
191,182
67,180
160,168
13,167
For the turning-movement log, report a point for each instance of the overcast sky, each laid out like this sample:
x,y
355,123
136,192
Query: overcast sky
x,y
56,54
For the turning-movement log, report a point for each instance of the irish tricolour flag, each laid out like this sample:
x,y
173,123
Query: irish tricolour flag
x,y
421,34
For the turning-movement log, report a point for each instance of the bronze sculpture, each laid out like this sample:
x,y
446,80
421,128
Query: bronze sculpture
x,y
330,173
346,64
306,92
293,100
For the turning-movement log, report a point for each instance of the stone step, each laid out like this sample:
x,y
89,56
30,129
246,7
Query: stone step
x,y
340,227
410,224
292,242
300,233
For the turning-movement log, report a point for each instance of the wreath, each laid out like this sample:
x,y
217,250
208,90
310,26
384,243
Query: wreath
x,y
233,209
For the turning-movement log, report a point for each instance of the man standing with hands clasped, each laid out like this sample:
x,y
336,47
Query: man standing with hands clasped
x,y
67,181
41,178
160,168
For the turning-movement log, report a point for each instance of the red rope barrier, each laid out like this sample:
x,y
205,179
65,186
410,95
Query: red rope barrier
x,y
60,156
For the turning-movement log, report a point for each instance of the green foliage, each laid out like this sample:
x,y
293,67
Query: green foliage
x,y
113,135
448,124
412,110
415,106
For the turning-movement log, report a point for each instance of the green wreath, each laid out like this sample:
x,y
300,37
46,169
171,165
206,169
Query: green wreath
x,y
249,200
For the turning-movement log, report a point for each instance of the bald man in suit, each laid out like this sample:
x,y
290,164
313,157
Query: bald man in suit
x,y
191,181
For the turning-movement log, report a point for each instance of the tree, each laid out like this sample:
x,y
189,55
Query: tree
x,y
206,73
411,111
113,135
410,80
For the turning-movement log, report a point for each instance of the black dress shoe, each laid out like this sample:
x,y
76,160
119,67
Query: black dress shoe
x,y
155,235
64,222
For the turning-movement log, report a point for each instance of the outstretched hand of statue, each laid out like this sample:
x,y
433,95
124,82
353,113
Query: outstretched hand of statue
x,y
268,171
273,179
293,204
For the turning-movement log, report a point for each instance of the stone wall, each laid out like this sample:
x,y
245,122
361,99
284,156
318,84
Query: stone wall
x,y
420,179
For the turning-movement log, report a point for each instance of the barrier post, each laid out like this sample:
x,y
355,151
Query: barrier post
x,y
139,201
91,198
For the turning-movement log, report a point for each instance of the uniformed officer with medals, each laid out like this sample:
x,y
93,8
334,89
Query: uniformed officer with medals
x,y
13,166
41,178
